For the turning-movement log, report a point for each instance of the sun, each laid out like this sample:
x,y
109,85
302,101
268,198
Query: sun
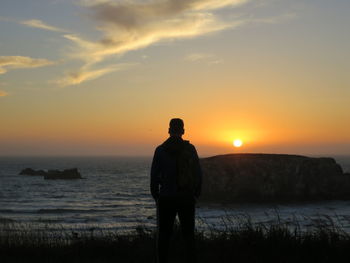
x,y
237,143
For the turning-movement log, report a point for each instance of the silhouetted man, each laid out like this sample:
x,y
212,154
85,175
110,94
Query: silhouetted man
x,y
175,185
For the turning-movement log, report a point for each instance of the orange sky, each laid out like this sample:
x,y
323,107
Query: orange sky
x,y
273,75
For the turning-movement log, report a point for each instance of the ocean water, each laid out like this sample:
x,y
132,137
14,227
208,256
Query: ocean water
x,y
114,195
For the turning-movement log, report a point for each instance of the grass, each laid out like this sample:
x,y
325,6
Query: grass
x,y
240,240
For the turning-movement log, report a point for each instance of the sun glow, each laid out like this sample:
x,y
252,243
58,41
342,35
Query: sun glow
x,y
237,143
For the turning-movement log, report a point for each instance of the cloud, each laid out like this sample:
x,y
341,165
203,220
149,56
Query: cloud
x,y
197,57
82,75
132,14
209,59
135,24
2,70
3,93
40,24
118,41
132,25
15,62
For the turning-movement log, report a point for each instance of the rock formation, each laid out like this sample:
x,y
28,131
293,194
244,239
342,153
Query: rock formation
x,y
30,171
54,174
272,177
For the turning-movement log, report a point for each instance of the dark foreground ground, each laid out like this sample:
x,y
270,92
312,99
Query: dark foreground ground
x,y
246,243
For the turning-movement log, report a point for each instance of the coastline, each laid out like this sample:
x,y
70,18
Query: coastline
x,y
114,246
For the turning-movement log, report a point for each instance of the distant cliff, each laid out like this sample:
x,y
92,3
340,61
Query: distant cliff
x,y
272,177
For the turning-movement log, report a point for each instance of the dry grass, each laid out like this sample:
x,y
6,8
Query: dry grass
x,y
239,240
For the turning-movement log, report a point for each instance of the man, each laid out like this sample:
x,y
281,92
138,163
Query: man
x,y
175,185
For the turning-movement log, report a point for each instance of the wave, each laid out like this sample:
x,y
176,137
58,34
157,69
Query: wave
x,y
58,196
66,210
48,220
6,211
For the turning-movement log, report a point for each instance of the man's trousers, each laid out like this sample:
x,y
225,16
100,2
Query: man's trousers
x,y
167,209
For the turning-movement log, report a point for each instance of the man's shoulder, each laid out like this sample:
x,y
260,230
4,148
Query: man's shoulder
x,y
188,143
159,148
190,146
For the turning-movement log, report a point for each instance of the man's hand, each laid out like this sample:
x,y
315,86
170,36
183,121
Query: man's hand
x,y
155,197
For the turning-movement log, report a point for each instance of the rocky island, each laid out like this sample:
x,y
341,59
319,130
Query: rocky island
x,y
272,177
53,174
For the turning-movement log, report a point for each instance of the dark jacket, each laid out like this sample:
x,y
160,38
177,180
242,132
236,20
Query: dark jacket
x,y
164,169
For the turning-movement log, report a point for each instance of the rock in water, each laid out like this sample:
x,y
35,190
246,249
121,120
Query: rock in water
x,y
65,174
30,171
53,174
272,177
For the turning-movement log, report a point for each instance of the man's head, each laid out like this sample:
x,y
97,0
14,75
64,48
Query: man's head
x,y
176,127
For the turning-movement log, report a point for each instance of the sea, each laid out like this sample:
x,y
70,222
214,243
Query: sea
x,y
114,195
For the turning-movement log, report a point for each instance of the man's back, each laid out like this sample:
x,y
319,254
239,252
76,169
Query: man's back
x,y
166,166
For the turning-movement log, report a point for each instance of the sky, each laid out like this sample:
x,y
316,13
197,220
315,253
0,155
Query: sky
x,y
104,77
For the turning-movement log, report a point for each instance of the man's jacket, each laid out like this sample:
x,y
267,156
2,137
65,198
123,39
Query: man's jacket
x,y
164,169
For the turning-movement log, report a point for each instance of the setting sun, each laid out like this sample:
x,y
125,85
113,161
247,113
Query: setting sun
x,y
237,143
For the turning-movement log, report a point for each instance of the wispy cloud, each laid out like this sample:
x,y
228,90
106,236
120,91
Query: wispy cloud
x,y
40,24
3,93
85,74
2,70
16,62
132,25
170,6
209,59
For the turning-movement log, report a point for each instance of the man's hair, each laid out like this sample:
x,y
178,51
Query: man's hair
x,y
176,126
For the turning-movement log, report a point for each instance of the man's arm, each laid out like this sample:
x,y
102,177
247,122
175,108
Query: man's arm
x,y
155,175
198,170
